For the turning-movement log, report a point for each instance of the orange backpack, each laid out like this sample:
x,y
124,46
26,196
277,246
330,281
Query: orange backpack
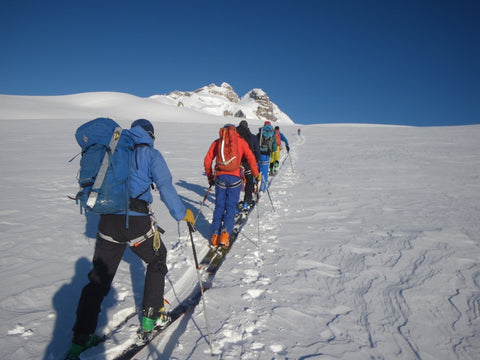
x,y
277,137
228,157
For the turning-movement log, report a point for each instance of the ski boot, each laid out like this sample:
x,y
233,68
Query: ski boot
x,y
240,206
80,343
224,239
251,205
214,240
149,322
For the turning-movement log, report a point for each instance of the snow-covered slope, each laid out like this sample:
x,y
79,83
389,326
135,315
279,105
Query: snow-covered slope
x,y
118,106
223,101
194,106
370,249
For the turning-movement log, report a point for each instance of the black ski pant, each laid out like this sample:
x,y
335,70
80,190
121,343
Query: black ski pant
x,y
107,257
249,184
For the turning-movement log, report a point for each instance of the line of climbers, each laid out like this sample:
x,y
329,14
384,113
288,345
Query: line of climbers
x,y
238,155
256,157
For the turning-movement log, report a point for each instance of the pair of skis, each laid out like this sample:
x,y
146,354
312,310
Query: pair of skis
x,y
211,261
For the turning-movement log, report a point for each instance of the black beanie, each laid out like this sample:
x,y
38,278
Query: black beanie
x,y
145,125
243,123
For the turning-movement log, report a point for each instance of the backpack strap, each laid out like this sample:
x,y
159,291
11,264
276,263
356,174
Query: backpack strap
x,y
92,198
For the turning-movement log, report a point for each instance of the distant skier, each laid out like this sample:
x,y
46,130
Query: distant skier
x,y
252,141
298,132
227,151
267,145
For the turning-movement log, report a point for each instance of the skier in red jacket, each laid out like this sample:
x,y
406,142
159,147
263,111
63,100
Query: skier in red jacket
x,y
228,185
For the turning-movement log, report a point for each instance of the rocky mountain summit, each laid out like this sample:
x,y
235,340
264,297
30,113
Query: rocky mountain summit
x,y
223,101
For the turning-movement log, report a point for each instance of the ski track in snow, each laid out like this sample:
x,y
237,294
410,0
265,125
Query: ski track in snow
x,y
343,319
378,261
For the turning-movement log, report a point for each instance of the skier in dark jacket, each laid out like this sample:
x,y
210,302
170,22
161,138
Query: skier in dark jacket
x,y
148,167
252,141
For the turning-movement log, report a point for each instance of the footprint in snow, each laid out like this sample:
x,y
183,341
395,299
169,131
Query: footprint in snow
x,y
20,330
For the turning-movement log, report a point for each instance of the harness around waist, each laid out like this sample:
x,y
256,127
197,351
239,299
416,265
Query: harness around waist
x,y
132,242
224,185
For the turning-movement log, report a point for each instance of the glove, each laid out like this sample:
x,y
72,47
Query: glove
x,y
288,149
189,217
258,178
211,181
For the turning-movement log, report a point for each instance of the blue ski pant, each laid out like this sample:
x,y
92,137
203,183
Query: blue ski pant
x,y
264,168
227,194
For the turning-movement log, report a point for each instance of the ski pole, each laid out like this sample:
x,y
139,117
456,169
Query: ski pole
x,y
283,163
288,155
271,202
203,202
191,230
258,216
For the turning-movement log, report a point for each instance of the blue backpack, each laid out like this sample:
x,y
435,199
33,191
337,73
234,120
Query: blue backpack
x,y
104,167
266,138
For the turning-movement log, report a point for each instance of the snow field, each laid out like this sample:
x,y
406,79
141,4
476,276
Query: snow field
x,y
372,250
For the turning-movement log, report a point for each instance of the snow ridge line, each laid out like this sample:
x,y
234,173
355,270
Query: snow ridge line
x,y
469,315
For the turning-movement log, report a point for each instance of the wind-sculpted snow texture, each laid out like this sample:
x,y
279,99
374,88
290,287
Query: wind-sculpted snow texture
x,y
372,251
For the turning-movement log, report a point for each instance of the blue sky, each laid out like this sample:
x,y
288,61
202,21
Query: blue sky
x,y
368,61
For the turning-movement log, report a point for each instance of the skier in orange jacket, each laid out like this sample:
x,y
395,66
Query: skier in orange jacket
x,y
228,185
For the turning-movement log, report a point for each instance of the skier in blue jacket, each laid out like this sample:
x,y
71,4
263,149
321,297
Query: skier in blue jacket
x,y
147,167
267,145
